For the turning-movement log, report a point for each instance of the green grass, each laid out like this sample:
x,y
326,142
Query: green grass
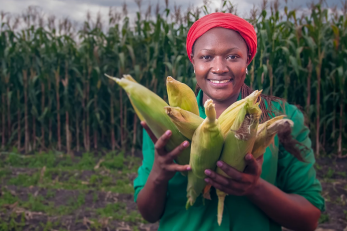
x,y
324,218
64,173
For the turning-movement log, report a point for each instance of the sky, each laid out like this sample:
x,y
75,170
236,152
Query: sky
x,y
76,10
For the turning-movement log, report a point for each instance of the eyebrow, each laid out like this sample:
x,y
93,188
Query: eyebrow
x,y
228,50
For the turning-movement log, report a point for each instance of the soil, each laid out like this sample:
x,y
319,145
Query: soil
x,y
331,172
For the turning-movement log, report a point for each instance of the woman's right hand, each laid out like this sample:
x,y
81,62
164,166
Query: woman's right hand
x,y
164,167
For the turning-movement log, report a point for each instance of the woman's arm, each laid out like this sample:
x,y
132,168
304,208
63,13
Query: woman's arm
x,y
151,199
289,210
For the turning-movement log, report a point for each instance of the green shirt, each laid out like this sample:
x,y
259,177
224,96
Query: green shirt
x,y
279,168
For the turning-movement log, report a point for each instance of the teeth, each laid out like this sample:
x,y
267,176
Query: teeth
x,y
217,81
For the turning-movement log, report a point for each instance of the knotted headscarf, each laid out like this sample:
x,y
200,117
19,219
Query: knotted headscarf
x,y
225,20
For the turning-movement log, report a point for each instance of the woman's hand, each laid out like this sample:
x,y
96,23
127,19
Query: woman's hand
x,y
239,183
152,198
164,167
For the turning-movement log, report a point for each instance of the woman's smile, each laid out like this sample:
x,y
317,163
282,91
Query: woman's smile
x,y
220,83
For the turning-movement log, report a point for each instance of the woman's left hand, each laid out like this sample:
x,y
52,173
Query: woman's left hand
x,y
239,183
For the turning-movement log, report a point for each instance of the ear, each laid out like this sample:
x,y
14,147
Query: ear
x,y
192,58
248,58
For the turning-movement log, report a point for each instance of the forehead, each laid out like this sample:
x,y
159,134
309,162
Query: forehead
x,y
220,38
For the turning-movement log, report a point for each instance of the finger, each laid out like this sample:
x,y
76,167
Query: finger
x,y
230,171
149,132
178,168
162,141
174,153
217,177
252,165
227,189
217,185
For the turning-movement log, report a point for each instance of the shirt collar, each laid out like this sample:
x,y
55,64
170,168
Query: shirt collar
x,y
201,105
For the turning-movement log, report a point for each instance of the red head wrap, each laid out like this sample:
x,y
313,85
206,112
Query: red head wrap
x,y
225,20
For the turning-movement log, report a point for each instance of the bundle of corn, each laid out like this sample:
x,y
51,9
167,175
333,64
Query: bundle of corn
x,y
230,138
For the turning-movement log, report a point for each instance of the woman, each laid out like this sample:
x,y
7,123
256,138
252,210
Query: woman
x,y
275,190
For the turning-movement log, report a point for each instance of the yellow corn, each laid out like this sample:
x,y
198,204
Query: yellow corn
x,y
239,141
266,133
185,121
227,118
181,95
207,144
150,107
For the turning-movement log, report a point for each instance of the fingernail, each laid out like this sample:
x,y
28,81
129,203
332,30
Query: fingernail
x,y
185,144
208,172
207,180
168,132
219,164
189,168
248,157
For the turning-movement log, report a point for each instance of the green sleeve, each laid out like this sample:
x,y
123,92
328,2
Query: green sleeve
x,y
295,176
147,162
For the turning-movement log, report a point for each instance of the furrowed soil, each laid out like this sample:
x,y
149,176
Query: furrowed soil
x,y
52,191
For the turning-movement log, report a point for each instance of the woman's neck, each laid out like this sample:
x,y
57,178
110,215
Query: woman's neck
x,y
220,106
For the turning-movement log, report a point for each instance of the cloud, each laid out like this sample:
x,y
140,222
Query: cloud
x,y
76,10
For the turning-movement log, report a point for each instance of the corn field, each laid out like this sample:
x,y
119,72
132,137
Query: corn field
x,y
54,94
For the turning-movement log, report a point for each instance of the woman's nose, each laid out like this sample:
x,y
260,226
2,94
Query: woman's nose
x,y
219,66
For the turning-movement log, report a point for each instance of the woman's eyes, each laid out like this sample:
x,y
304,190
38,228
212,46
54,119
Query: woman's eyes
x,y
209,57
232,57
206,57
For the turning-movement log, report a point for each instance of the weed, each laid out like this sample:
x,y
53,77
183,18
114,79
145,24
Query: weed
x,y
36,204
122,186
317,166
24,180
95,197
134,216
113,210
4,173
323,218
50,193
87,162
113,161
7,198
343,174
329,173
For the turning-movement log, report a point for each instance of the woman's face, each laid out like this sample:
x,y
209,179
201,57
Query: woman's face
x,y
220,60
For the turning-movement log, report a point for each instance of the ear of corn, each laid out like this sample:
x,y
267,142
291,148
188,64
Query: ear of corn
x,y
266,133
228,117
238,142
150,107
185,121
128,77
207,143
181,95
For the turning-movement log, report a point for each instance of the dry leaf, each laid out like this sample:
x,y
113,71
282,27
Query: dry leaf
x,y
98,164
43,170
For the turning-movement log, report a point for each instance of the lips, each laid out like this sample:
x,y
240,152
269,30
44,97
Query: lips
x,y
219,81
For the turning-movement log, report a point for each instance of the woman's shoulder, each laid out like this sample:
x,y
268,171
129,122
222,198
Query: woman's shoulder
x,y
279,106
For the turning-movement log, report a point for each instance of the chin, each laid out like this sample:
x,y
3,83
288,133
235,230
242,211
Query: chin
x,y
221,96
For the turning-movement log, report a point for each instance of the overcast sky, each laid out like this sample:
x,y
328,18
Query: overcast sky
x,y
77,9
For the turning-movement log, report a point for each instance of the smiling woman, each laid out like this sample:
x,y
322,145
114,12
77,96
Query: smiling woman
x,y
278,189
220,58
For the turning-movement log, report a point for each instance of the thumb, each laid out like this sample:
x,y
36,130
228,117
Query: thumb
x,y
252,164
